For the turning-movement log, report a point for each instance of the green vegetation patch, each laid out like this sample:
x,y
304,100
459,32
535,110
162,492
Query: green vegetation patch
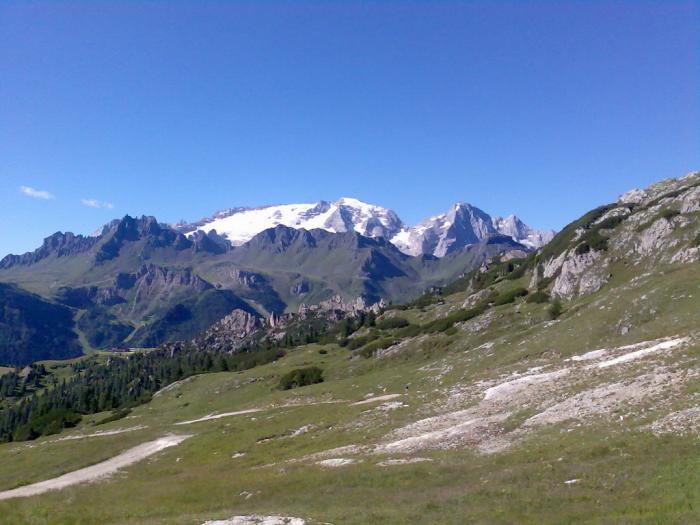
x,y
538,297
378,344
510,296
667,214
299,377
52,422
392,323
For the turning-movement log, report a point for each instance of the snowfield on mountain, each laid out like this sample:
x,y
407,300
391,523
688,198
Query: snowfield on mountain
x,y
461,226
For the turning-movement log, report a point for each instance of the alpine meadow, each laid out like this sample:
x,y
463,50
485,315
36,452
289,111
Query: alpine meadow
x,y
499,325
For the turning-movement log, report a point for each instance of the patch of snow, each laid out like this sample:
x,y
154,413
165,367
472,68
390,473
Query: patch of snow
x,y
346,214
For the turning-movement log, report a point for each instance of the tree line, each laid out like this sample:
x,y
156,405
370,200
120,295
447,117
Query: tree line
x,y
116,383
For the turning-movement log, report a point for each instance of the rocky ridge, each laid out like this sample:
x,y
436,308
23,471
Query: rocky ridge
x,y
643,228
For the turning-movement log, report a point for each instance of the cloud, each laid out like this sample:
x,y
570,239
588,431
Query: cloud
x,y
37,194
94,203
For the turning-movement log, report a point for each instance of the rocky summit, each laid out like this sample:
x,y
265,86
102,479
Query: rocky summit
x,y
461,226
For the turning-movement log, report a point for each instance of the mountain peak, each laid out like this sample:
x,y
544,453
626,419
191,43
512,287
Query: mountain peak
x,y
463,224
351,201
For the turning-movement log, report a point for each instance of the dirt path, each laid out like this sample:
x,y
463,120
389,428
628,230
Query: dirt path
x,y
375,399
97,471
219,416
101,434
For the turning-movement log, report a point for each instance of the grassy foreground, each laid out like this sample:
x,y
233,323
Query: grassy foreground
x,y
603,466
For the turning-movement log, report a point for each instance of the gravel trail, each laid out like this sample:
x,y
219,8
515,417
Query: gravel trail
x,y
97,471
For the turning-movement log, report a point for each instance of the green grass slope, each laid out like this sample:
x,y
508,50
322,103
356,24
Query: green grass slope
x,y
609,466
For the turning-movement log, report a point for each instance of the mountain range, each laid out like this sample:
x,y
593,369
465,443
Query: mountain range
x,y
138,282
141,283
462,225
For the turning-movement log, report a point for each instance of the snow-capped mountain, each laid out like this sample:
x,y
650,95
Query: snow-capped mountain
x,y
239,225
461,226
521,232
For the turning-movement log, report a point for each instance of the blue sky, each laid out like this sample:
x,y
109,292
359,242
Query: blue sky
x,y
178,109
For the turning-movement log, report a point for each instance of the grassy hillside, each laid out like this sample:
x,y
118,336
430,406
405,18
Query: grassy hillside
x,y
560,388
625,462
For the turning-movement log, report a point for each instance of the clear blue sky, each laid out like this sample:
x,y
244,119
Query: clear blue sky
x,y
178,109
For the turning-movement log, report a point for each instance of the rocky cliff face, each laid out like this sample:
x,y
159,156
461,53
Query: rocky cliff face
x,y
151,278
59,245
643,229
228,333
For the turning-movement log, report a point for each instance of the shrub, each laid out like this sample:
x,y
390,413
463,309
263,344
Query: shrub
x,y
515,272
555,309
301,377
668,214
399,307
411,330
592,240
116,415
564,238
544,282
392,323
356,342
510,296
610,222
370,349
538,297
452,330
424,300
440,325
